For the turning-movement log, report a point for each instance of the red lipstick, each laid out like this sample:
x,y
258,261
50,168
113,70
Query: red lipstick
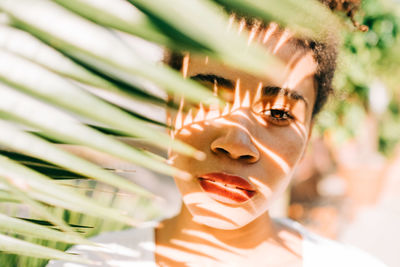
x,y
226,188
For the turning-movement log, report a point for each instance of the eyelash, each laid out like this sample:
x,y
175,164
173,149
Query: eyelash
x,y
284,119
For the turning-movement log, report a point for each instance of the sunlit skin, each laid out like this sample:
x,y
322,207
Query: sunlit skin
x,y
261,135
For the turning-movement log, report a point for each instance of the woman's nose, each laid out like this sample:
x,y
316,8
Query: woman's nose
x,y
236,144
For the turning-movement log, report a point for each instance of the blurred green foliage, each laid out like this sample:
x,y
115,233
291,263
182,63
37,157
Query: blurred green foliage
x,y
368,59
84,224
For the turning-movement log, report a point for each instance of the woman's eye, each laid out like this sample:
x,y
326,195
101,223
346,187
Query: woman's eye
x,y
279,117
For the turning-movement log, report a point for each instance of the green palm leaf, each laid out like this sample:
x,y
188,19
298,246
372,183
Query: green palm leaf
x,y
319,24
91,44
34,146
27,46
120,15
42,188
63,127
239,53
16,246
15,191
38,81
14,225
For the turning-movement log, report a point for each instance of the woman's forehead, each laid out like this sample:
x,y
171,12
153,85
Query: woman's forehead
x,y
279,42
297,76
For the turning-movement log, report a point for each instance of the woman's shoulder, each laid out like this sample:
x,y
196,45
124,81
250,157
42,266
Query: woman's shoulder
x,y
120,248
321,251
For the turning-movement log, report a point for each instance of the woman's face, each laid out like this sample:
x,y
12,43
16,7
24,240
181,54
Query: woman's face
x,y
253,145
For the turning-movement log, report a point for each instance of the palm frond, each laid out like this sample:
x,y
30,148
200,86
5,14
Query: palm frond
x,y
70,75
14,225
17,246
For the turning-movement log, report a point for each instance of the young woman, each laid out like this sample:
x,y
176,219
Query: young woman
x,y
252,148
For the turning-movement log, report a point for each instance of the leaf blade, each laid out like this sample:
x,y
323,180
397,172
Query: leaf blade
x,y
23,227
34,146
13,245
63,127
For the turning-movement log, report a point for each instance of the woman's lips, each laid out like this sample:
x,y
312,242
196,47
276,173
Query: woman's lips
x,y
226,188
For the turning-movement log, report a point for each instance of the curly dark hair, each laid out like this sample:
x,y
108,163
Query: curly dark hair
x,y
325,52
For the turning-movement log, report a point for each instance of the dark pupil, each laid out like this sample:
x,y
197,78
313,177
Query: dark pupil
x,y
277,113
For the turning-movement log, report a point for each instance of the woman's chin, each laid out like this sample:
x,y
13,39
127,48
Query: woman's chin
x,y
207,211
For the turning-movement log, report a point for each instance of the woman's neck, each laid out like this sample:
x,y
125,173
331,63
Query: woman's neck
x,y
181,240
250,235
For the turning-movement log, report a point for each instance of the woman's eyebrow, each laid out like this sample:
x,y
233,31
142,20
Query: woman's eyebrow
x,y
276,91
214,78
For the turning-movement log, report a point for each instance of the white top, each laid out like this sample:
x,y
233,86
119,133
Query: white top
x,y
135,247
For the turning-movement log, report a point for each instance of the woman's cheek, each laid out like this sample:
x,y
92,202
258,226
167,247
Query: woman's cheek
x,y
285,144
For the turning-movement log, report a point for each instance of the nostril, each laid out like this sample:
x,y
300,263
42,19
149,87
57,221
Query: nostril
x,y
246,157
221,150
235,147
